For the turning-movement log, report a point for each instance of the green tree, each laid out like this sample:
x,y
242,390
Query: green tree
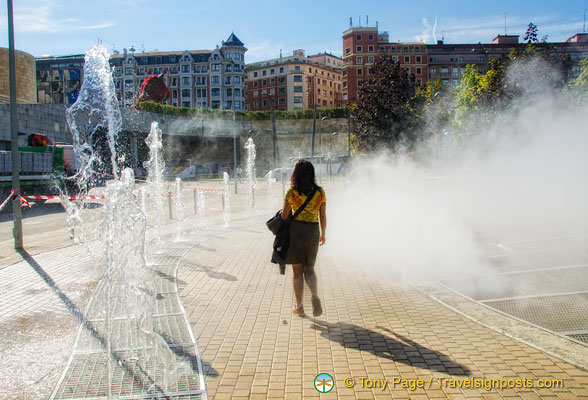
x,y
388,110
579,86
531,34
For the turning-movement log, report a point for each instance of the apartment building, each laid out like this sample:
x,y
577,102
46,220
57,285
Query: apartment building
x,y
447,62
295,82
361,48
212,79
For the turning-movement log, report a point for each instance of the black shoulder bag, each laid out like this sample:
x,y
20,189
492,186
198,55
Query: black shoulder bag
x,y
279,227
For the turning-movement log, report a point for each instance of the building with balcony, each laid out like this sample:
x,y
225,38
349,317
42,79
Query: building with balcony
x,y
295,82
213,79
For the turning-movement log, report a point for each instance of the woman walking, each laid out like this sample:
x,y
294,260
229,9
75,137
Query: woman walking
x,y
305,233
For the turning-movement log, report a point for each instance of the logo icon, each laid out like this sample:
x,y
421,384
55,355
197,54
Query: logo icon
x,y
324,383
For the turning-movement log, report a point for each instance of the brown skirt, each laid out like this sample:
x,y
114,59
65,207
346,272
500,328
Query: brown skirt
x,y
304,242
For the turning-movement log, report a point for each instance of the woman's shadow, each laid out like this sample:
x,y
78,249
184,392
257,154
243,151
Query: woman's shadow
x,y
399,349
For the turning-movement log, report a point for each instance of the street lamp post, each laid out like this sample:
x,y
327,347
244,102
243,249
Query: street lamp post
x,y
274,134
16,212
325,118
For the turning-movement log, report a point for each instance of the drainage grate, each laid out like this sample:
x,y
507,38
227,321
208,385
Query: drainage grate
x,y
557,313
138,370
580,337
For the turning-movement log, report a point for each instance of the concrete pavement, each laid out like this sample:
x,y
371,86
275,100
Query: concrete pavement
x,y
383,338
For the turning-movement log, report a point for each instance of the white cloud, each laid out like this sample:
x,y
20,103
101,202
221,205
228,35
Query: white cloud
x,y
44,17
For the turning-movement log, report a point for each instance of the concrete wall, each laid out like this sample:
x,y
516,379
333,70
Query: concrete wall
x,y
48,119
26,81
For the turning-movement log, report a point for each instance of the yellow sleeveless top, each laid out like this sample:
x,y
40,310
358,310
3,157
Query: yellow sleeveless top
x,y
311,211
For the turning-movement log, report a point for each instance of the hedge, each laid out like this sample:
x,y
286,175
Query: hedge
x,y
340,112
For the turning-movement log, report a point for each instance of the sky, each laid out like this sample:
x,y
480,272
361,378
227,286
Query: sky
x,y
65,27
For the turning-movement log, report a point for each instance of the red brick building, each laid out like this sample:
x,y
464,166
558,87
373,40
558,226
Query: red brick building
x,y
361,48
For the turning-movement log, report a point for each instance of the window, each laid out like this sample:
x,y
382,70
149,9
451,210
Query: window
x,y
370,37
237,92
256,104
215,79
215,92
128,71
237,105
281,70
282,90
297,68
185,68
360,71
281,100
272,71
297,99
255,84
454,72
481,58
174,82
272,81
358,60
263,82
215,104
371,59
419,71
229,92
264,72
433,59
297,78
215,67
297,89
172,59
229,105
237,79
459,59
175,94
419,59
186,81
185,92
371,49
433,71
358,49
227,80
281,79
406,59
204,68
255,74
186,104
348,50
228,68
358,37
237,68
265,103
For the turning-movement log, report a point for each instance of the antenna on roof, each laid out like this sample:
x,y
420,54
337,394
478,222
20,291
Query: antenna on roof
x,y
360,21
367,20
350,22
505,24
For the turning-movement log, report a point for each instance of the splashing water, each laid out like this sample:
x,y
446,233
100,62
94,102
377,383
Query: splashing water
x,y
179,209
226,202
250,170
95,121
271,198
155,184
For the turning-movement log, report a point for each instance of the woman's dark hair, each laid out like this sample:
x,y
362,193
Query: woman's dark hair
x,y
303,177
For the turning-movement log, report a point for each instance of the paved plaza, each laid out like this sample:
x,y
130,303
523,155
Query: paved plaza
x,y
378,338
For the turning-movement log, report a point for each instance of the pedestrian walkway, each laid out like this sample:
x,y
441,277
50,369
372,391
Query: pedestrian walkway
x,y
376,339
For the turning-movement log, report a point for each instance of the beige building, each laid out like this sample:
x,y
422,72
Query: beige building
x,y
295,82
26,87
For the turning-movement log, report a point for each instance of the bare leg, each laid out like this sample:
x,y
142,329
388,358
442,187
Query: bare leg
x,y
298,283
310,278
